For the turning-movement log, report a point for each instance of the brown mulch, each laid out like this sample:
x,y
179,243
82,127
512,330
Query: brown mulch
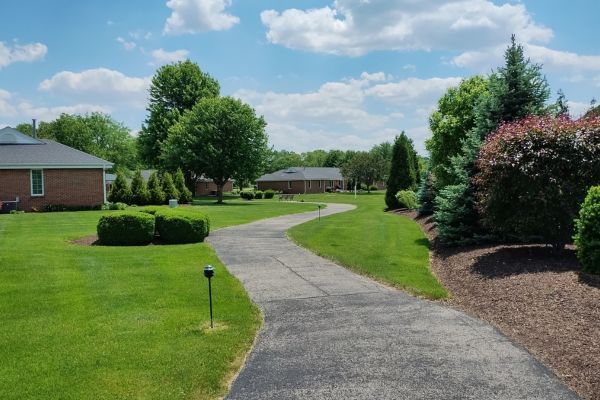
x,y
538,298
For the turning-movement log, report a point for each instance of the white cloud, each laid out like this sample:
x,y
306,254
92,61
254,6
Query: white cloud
x,y
99,84
24,110
164,57
577,108
356,27
195,16
413,91
21,53
350,113
126,44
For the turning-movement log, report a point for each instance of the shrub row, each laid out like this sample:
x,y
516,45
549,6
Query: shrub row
x,y
257,194
135,228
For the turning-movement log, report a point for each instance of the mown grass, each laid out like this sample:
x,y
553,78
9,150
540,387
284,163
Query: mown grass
x,y
386,247
92,322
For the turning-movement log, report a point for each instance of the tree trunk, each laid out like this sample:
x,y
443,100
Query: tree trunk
x,y
219,193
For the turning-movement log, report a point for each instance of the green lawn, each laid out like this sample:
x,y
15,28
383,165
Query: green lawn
x,y
386,247
90,322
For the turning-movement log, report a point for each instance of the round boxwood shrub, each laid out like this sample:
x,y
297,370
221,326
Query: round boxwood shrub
x,y
269,194
247,195
587,232
258,194
180,226
407,199
126,228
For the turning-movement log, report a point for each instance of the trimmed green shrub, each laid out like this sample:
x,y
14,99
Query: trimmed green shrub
x,y
169,188
117,206
587,232
269,194
178,226
126,228
373,188
152,210
185,195
247,195
62,208
258,194
407,199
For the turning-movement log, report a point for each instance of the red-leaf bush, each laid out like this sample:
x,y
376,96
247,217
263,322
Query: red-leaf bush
x,y
534,175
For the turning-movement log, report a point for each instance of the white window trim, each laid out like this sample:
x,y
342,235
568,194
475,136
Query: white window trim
x,y
31,183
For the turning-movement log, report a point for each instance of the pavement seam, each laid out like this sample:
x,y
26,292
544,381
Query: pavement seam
x,y
301,277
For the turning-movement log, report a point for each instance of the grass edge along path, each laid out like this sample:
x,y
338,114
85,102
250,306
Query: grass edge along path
x,y
389,248
95,322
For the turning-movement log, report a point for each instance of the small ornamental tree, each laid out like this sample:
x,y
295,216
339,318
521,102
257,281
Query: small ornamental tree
x,y
168,187
120,191
139,190
157,195
587,236
534,174
185,195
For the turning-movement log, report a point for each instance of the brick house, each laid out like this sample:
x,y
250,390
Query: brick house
x,y
35,173
298,180
206,187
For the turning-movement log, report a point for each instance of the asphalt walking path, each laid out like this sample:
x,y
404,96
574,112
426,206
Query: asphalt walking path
x,y
332,334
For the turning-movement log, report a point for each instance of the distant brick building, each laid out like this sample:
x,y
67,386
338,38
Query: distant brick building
x,y
206,187
297,180
36,173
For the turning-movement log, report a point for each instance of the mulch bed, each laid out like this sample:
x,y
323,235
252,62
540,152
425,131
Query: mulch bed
x,y
92,240
538,298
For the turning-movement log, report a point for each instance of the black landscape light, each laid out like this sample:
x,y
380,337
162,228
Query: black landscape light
x,y
319,207
209,272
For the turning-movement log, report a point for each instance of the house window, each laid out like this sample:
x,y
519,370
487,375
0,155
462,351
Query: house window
x,y
289,184
37,182
309,184
320,184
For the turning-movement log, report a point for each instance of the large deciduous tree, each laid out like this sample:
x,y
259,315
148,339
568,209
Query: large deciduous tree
x,y
175,88
96,133
364,167
450,123
220,138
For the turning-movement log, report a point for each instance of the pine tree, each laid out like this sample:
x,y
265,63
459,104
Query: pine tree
x,y
426,193
402,171
168,187
139,190
157,195
120,191
516,90
185,195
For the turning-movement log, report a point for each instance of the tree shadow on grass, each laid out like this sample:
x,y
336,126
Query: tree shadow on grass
x,y
423,242
529,259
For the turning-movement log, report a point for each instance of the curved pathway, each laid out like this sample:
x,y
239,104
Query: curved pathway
x,y
332,334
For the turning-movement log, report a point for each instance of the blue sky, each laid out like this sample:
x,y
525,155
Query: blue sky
x,y
325,73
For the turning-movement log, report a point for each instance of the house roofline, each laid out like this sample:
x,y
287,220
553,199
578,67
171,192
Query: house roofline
x,y
56,166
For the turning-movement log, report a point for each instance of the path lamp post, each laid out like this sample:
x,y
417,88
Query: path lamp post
x,y
319,207
209,272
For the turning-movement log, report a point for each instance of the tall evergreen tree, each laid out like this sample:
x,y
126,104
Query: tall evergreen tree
x,y
139,190
516,90
402,170
120,191
185,195
157,195
168,187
